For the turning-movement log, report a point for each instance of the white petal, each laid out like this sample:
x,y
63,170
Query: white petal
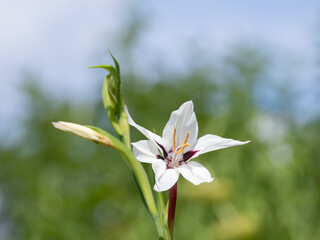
x,y
145,151
184,120
150,135
209,143
195,173
159,167
166,180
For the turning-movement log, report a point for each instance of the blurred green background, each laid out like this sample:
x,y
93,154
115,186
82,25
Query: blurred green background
x,y
56,186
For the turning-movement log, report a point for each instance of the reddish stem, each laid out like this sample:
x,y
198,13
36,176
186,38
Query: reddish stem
x,y
172,208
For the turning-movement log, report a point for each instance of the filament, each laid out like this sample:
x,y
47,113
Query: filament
x,y
174,139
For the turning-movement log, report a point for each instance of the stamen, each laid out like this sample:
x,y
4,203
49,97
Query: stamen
x,y
174,139
182,147
185,141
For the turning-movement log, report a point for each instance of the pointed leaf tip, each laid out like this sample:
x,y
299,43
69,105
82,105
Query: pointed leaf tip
x,y
115,62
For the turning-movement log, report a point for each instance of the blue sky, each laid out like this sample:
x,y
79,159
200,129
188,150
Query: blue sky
x,y
285,23
58,39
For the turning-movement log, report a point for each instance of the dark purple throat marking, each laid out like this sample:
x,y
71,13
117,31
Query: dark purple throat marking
x,y
189,155
164,152
160,157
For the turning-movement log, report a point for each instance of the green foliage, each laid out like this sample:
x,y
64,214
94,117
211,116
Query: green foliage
x,y
56,186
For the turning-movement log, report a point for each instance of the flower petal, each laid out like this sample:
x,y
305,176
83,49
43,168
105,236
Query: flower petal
x,y
159,167
150,135
145,151
168,178
209,143
195,172
184,120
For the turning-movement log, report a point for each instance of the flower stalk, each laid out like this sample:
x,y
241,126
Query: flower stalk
x,y
140,178
172,208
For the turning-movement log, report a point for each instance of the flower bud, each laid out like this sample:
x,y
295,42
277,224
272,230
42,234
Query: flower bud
x,y
83,132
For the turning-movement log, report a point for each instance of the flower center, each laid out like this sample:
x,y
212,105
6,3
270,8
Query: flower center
x,y
174,157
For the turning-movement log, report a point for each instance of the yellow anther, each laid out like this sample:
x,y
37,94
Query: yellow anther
x,y
174,139
185,141
182,147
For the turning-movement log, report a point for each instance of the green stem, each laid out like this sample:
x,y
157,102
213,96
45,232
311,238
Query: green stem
x,y
162,212
144,188
140,178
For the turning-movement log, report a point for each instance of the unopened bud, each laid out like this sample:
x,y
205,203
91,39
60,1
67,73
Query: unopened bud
x,y
83,132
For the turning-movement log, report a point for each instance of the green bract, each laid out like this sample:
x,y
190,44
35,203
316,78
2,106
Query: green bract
x,y
113,100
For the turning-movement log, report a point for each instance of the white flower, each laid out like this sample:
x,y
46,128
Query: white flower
x,y
170,154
